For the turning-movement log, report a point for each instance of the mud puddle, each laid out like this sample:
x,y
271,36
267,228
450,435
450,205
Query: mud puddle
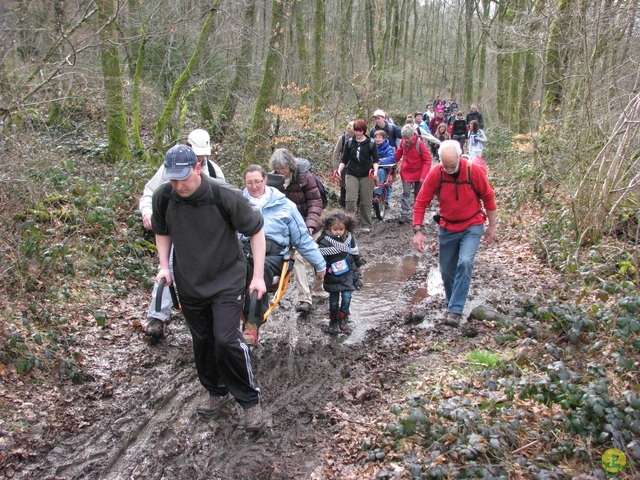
x,y
385,292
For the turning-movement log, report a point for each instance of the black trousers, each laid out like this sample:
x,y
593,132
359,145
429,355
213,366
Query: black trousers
x,y
221,355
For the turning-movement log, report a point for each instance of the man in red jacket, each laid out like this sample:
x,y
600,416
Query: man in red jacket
x,y
413,162
465,203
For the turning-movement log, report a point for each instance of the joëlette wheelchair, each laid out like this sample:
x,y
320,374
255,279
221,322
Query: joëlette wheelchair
x,y
278,288
250,324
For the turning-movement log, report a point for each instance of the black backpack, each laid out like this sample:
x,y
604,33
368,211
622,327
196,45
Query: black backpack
x,y
323,190
304,165
166,198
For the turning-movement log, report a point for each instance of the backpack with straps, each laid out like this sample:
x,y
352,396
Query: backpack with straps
x,y
304,166
212,171
371,142
215,200
455,182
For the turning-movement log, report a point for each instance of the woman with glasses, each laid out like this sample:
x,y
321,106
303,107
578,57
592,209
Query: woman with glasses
x,y
360,156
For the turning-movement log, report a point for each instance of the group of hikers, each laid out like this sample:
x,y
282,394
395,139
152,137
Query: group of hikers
x,y
222,246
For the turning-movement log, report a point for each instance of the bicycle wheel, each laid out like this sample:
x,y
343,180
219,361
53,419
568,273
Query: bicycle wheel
x,y
383,204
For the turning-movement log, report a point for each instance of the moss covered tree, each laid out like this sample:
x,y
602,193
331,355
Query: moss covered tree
x,y
118,139
180,85
258,129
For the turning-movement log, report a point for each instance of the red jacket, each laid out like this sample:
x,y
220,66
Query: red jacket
x,y
415,166
459,204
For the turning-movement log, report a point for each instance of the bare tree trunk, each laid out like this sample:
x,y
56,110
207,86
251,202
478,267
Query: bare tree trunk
x,y
55,107
456,58
371,54
163,126
318,50
258,129
118,142
554,60
241,75
301,28
468,58
514,90
503,62
345,39
409,43
482,61
137,140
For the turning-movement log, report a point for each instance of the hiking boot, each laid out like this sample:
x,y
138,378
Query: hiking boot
x,y
343,321
155,328
250,333
403,220
453,320
334,325
304,307
365,230
253,418
212,405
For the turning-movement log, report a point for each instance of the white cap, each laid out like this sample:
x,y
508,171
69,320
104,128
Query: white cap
x,y
379,113
200,142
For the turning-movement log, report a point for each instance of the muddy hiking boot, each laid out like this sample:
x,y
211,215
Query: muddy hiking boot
x,y
155,328
334,324
250,333
343,321
212,405
452,320
253,418
304,307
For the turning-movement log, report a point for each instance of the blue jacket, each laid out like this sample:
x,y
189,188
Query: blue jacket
x,y
284,225
386,154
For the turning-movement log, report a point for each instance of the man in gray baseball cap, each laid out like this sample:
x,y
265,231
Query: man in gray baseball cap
x,y
178,163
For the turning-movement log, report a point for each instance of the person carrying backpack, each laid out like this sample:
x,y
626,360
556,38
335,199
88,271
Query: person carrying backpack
x,y
338,151
201,220
200,143
413,162
466,200
360,157
459,129
300,186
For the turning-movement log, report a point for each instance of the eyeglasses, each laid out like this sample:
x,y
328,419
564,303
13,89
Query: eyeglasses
x,y
254,183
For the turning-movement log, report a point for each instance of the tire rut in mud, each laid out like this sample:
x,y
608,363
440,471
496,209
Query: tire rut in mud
x,y
155,433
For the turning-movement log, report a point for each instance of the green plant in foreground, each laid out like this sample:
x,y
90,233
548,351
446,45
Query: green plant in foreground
x,y
480,358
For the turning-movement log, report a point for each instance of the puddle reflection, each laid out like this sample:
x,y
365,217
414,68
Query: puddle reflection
x,y
382,293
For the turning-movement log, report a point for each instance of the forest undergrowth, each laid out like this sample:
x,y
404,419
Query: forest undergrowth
x,y
557,386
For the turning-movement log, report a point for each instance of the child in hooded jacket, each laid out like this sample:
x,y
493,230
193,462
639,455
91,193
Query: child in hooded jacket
x,y
338,247
386,154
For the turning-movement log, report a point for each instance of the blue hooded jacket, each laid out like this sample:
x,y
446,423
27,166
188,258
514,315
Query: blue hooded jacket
x,y
284,225
386,154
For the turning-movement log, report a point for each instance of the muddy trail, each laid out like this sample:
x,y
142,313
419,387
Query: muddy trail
x,y
136,418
